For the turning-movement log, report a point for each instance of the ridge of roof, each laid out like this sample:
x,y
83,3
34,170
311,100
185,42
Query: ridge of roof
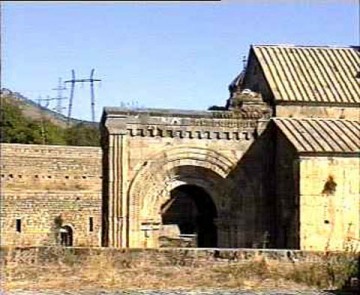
x,y
283,45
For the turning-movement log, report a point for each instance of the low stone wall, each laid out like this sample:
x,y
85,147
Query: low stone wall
x,y
166,256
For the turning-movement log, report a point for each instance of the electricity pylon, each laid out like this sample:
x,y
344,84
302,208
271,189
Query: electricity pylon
x,y
73,81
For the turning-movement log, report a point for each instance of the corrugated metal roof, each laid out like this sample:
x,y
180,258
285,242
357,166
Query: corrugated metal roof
x,y
321,135
311,74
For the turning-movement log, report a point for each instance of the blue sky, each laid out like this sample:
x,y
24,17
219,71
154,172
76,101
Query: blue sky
x,y
161,55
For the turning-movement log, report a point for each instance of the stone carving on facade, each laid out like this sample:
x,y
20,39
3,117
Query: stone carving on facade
x,y
249,104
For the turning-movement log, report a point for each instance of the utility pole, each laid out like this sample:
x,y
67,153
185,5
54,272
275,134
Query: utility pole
x,y
92,94
59,97
42,130
73,81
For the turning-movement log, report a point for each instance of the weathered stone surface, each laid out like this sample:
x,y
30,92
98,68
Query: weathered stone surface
x,y
46,187
151,152
329,202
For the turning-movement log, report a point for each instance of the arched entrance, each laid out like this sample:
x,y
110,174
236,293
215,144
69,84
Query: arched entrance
x,y
66,236
191,208
200,173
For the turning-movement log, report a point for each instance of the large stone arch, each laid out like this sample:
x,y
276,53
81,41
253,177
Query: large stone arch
x,y
166,170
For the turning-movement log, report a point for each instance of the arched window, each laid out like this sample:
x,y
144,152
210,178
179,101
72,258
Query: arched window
x,y
66,236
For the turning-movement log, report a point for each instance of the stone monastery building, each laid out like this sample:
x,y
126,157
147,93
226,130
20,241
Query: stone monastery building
x,y
277,167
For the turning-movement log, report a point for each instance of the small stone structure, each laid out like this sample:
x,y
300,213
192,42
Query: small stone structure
x,y
277,167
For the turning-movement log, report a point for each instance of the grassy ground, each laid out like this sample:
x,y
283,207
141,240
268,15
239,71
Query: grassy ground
x,y
104,271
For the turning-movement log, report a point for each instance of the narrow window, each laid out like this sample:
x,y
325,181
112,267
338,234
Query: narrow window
x,y
91,224
18,225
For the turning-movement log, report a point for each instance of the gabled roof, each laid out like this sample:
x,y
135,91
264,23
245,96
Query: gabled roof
x,y
311,73
321,135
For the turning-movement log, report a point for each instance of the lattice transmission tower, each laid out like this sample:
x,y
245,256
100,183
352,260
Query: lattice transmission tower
x,y
59,98
73,81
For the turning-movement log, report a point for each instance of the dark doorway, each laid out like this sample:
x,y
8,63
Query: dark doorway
x,y
66,236
193,211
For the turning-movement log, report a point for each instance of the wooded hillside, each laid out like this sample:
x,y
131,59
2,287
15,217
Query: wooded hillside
x,y
21,123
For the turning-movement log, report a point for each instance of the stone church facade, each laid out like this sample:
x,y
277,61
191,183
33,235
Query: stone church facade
x,y
277,167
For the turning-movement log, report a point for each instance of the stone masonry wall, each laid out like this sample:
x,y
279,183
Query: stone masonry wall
x,y
44,187
329,202
250,222
149,154
180,257
318,111
287,194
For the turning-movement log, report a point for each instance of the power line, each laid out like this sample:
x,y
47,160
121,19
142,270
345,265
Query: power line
x,y
73,81
59,108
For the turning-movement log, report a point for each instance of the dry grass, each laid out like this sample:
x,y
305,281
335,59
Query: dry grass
x,y
106,271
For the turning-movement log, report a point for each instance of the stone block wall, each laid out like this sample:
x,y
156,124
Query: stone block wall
x,y
250,222
43,167
168,257
329,202
286,196
150,152
46,187
309,110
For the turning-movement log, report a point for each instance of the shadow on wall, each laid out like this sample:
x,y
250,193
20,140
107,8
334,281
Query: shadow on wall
x,y
249,195
262,194
247,205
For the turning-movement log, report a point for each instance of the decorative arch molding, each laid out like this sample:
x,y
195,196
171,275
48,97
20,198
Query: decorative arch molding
x,y
204,156
152,200
157,177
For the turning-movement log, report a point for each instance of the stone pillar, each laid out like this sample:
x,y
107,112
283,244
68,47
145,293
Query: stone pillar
x,y
124,202
118,203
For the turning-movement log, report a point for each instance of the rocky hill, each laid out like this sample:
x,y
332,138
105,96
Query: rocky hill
x,y
34,111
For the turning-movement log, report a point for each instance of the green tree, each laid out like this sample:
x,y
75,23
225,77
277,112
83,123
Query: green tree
x,y
83,135
45,132
16,128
